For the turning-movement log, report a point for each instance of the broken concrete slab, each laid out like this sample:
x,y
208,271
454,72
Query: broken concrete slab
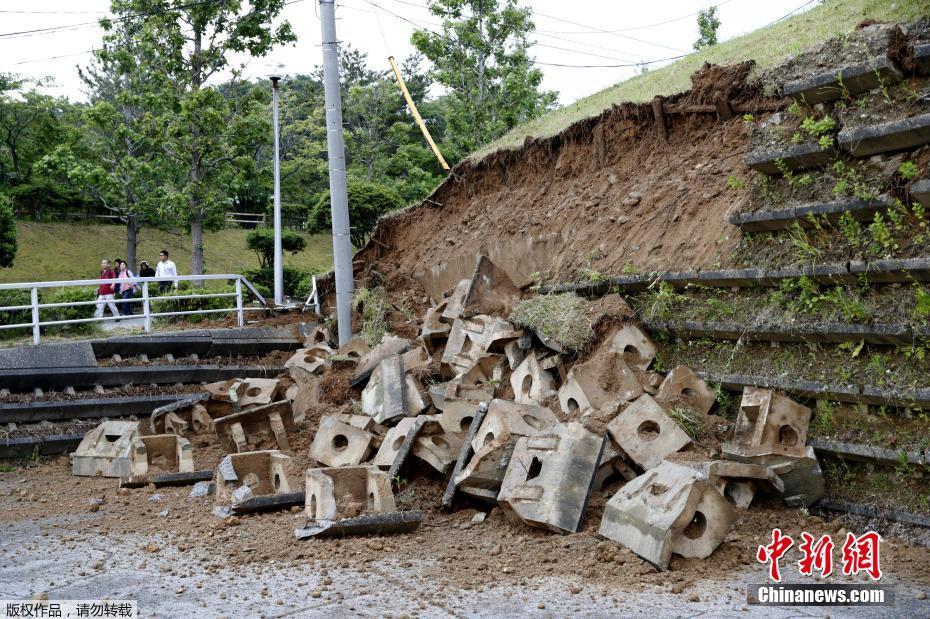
x,y
384,397
490,291
434,329
604,382
355,349
886,137
312,360
258,391
637,348
402,452
682,387
843,82
646,433
339,444
394,440
531,384
255,428
389,345
770,422
651,513
304,394
802,478
464,455
386,523
185,409
242,476
485,473
506,418
550,476
455,302
737,482
794,157
614,463
457,415
105,451
347,492
161,453
438,450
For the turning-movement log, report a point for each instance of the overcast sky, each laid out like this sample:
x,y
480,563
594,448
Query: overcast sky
x,y
582,32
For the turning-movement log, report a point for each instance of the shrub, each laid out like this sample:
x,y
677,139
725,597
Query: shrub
x,y
191,305
7,232
14,317
70,295
261,241
367,202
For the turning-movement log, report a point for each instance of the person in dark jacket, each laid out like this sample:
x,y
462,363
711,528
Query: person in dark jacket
x,y
145,270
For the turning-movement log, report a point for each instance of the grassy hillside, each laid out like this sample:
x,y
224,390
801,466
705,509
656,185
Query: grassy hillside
x,y
53,251
767,46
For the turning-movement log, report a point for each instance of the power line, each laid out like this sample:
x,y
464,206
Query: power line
x,y
54,12
616,34
22,62
632,28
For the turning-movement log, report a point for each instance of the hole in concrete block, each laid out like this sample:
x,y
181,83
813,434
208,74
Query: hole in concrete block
x,y
441,443
535,469
313,506
787,436
371,502
112,438
526,385
277,482
533,422
398,442
340,442
657,489
572,405
648,430
250,480
253,391
487,438
751,412
467,346
687,392
465,423
696,527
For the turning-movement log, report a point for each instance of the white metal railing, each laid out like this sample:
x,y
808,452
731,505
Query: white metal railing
x,y
146,300
257,219
313,300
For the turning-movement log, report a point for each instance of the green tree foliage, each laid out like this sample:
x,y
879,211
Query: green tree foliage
x,y
367,202
7,232
482,58
708,23
261,241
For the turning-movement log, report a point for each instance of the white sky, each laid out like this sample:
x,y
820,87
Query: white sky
x,y
604,32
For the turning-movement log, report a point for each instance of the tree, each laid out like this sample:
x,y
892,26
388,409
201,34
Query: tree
x,y
367,203
261,241
482,58
7,232
29,128
708,23
185,44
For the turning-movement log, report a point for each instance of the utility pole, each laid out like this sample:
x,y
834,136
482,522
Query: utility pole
x,y
339,199
278,253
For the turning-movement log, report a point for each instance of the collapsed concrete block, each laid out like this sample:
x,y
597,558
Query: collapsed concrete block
x,y
682,387
490,291
549,478
483,476
635,346
388,346
242,476
800,475
339,444
415,395
438,450
604,382
259,391
186,415
736,481
489,368
434,329
651,381
362,422
394,438
311,360
651,513
531,384
161,453
514,353
454,303
417,358
219,391
506,418
613,463
355,349
347,492
469,341
105,450
646,433
770,422
252,429
457,415
385,398
304,394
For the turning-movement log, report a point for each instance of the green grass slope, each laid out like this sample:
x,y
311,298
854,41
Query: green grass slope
x,y
57,251
767,46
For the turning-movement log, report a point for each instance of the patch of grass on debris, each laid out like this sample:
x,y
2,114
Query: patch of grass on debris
x,y
557,316
372,304
689,421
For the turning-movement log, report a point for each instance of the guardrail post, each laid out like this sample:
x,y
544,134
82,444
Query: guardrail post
x,y
145,307
36,335
239,302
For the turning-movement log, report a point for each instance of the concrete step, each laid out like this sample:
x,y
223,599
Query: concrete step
x,y
869,453
84,408
767,221
821,333
850,80
886,137
794,157
28,446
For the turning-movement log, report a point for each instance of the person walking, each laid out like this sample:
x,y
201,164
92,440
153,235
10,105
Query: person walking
x,y
105,291
165,268
116,265
145,270
127,289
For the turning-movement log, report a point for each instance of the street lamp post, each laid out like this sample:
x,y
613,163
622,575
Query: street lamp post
x,y
278,253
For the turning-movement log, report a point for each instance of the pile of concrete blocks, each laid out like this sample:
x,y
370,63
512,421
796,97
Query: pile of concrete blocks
x,y
106,450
